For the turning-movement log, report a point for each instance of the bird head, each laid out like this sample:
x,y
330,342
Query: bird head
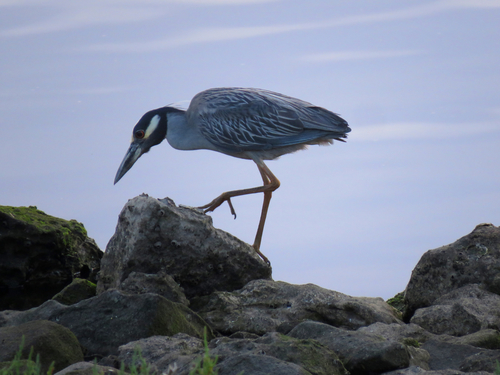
x,y
149,131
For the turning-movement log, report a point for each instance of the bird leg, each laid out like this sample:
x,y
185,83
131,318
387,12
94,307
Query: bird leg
x,y
271,183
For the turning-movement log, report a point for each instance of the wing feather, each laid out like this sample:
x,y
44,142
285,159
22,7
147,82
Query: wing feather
x,y
236,119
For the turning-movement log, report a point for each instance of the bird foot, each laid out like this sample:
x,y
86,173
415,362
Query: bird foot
x,y
216,203
264,258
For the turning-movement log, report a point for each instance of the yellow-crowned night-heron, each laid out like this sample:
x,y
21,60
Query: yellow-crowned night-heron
x,y
241,122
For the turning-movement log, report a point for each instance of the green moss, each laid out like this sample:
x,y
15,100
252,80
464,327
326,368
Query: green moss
x,y
397,302
77,291
172,318
408,341
66,230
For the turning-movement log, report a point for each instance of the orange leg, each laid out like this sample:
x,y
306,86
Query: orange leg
x,y
271,183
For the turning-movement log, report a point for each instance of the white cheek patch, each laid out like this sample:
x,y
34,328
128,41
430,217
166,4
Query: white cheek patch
x,y
153,124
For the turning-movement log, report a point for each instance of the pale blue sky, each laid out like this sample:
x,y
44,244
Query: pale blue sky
x,y
418,82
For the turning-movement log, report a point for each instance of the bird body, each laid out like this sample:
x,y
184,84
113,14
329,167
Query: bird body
x,y
245,123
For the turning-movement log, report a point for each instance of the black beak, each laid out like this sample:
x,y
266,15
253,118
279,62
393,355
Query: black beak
x,y
133,153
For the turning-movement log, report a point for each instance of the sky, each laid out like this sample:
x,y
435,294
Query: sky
x,y
418,82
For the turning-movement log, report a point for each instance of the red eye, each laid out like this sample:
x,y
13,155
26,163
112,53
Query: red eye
x,y
139,134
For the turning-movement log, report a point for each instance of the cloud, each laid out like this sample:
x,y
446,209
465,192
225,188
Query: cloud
x,y
72,15
206,35
357,55
416,130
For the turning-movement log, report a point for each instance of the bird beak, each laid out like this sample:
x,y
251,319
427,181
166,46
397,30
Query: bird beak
x,y
133,153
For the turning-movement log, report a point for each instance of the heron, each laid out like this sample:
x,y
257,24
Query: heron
x,y
245,123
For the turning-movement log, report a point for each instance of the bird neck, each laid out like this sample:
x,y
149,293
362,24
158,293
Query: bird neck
x,y
181,135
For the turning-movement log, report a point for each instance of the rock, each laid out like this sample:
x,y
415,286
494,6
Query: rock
x,y
414,370
78,290
179,351
87,368
487,360
461,312
308,354
40,255
258,365
162,284
445,356
360,352
155,236
182,351
410,335
51,341
105,322
266,306
486,339
473,259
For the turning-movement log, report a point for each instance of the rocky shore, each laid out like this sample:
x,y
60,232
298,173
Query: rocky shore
x,y
168,276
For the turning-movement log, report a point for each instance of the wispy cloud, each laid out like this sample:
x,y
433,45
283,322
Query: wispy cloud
x,y
73,15
357,55
417,130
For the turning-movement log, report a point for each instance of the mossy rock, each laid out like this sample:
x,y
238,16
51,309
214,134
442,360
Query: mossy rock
x,y
398,302
77,291
41,255
50,341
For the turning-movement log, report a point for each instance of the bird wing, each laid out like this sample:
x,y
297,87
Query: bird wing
x,y
236,119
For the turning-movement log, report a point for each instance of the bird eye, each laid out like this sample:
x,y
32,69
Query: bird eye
x,y
139,134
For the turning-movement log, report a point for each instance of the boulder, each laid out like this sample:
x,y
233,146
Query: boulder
x,y
162,284
447,356
179,351
266,306
461,312
308,354
473,259
414,370
40,254
50,341
182,351
408,334
487,360
78,290
87,368
486,339
105,322
360,352
155,236
258,365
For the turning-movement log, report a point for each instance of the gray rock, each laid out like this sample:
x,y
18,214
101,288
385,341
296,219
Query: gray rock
x,y
105,322
487,360
410,335
446,356
461,312
265,306
486,339
413,335
402,333
182,351
162,284
156,236
308,354
258,365
51,341
179,351
361,353
40,255
414,370
473,259
87,368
